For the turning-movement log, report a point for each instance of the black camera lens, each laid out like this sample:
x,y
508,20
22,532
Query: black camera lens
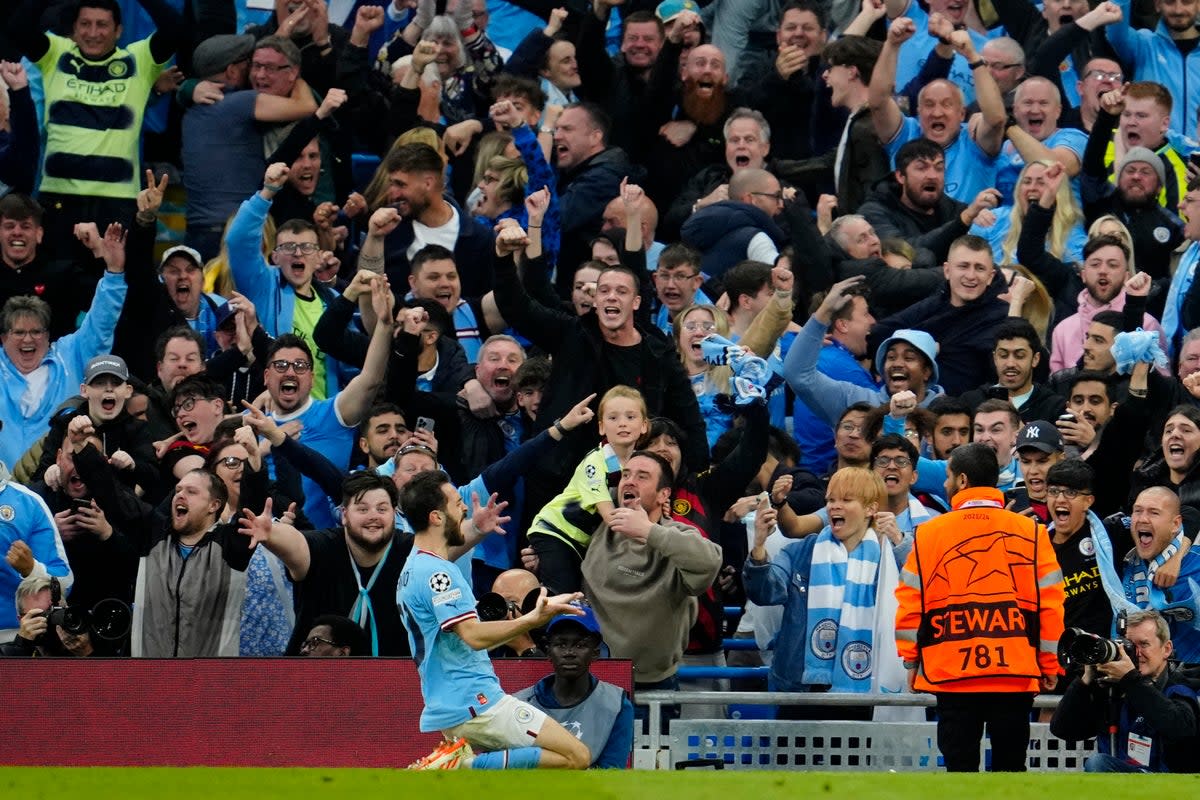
x,y
1084,648
111,620
491,607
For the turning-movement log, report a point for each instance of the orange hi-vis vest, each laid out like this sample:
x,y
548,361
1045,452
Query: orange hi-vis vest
x,y
980,599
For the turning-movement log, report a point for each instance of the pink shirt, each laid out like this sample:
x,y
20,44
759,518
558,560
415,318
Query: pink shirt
x,y
1066,344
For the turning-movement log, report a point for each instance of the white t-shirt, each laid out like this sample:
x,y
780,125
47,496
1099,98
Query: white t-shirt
x,y
446,235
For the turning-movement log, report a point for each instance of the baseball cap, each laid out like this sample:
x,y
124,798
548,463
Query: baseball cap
x,y
106,365
216,53
670,9
1040,435
224,313
180,249
588,621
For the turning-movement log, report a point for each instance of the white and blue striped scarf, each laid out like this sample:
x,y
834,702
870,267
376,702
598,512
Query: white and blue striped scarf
x,y
1133,589
841,613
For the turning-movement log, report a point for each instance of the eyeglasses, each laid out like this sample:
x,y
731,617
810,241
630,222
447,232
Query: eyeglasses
x,y
850,427
186,404
707,327
30,333
1070,494
776,196
258,66
901,462
1100,75
674,277
300,365
233,462
312,641
291,248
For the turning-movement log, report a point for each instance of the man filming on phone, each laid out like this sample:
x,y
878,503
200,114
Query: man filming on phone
x,y
1143,715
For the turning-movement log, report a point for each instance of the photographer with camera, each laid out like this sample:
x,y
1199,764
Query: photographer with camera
x,y
513,593
35,639
1144,715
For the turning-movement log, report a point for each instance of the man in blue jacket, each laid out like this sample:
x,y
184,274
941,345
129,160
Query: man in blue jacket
x,y
849,327
283,292
1165,55
905,361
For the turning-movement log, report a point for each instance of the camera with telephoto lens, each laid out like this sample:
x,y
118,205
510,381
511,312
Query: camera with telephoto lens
x,y
1083,648
492,607
108,620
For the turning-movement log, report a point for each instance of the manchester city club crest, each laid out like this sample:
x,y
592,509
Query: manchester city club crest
x,y
824,639
856,659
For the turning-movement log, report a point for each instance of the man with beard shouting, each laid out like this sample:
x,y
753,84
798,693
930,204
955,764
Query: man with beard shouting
x,y
693,139
917,209
354,569
1105,271
970,156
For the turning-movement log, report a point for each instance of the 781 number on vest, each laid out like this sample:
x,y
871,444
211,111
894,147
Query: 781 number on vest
x,y
981,654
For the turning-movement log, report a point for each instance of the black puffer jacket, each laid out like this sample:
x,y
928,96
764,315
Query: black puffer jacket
x,y
930,234
891,290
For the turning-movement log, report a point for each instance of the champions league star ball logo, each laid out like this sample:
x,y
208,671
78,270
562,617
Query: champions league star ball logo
x,y
439,581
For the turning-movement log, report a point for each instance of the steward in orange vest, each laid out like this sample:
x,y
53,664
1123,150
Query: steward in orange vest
x,y
980,614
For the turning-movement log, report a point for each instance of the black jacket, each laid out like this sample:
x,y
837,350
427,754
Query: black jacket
x,y
638,107
1043,403
892,290
1156,231
580,368
123,433
583,192
337,335
1060,278
963,334
803,122
864,164
1165,709
930,234
466,443
59,282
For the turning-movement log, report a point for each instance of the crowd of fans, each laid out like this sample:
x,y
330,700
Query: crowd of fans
x,y
660,286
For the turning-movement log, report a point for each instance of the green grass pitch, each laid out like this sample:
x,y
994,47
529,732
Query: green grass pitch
x,y
263,784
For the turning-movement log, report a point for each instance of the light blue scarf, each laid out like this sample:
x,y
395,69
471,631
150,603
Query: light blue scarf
x,y
841,614
750,373
362,611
